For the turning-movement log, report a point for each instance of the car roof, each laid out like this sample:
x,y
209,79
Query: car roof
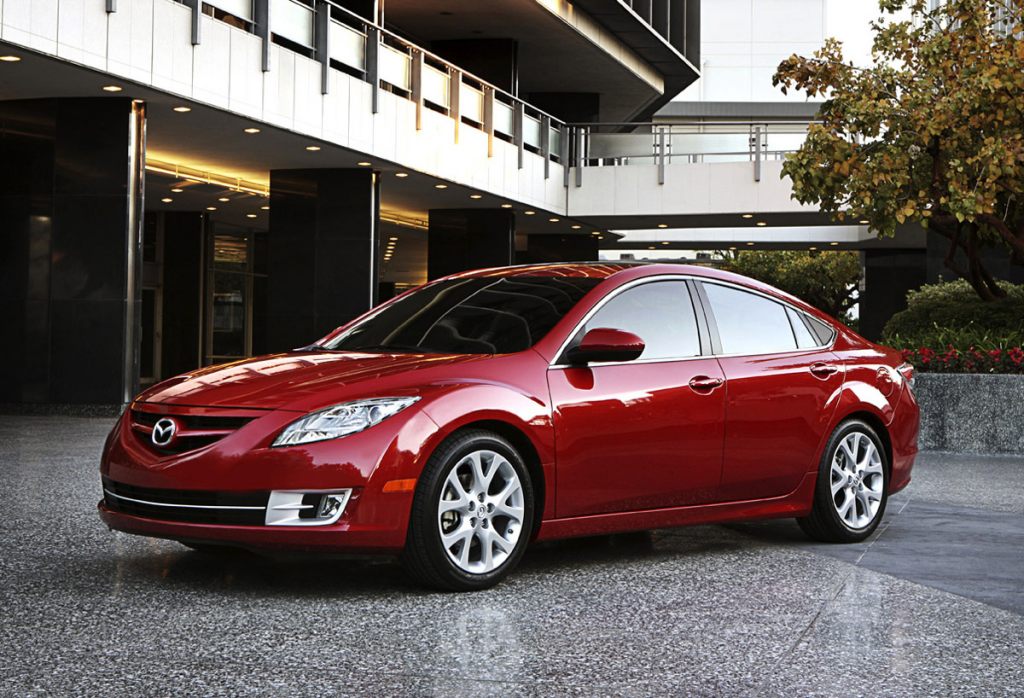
x,y
632,270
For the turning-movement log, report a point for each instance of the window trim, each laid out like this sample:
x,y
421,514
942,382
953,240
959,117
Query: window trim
x,y
707,326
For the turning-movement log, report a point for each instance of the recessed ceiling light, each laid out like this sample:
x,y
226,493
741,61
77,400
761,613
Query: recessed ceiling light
x,y
599,237
553,220
251,130
112,88
577,226
211,208
596,232
747,215
183,110
312,148
440,186
506,205
364,163
662,225
167,199
250,215
732,248
750,244
476,196
812,249
177,190
265,208
864,221
762,223
834,244
665,242
529,213
10,59
403,175
224,199
652,247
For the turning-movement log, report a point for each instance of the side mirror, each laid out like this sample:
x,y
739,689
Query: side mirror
x,y
606,344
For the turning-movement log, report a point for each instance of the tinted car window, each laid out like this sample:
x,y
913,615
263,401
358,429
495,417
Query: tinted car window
x,y
659,312
821,330
749,323
468,316
804,338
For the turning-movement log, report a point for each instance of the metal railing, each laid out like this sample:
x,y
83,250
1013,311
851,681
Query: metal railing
x,y
662,144
340,39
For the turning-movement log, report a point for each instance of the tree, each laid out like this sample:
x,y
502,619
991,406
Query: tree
x,y
826,280
932,133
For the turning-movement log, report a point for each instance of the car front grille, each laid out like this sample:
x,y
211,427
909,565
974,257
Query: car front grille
x,y
188,506
195,430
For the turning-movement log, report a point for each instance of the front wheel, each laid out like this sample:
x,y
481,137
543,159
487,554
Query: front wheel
x,y
472,514
852,487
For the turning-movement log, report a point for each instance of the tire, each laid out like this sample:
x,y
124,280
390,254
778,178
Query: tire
x,y
448,549
851,493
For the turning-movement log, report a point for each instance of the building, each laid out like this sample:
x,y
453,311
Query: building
x,y
190,182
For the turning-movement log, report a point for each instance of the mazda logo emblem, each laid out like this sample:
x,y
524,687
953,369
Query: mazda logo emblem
x,y
164,431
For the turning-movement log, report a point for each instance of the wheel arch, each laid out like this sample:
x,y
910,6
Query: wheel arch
x,y
876,423
526,449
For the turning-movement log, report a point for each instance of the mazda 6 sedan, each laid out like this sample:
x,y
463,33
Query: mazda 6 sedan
x,y
460,421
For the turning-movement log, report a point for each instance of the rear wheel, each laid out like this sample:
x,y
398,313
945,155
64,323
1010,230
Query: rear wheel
x,y
852,488
472,514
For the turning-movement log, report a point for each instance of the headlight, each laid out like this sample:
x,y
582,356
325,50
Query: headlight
x,y
341,420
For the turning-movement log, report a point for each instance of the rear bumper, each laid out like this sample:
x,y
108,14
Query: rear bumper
x,y
342,537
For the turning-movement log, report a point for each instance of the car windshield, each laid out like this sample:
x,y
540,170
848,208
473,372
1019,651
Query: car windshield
x,y
468,316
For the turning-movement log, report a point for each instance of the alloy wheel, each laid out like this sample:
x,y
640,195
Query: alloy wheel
x,y
480,512
857,480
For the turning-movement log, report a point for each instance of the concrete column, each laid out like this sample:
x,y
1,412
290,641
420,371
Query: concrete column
x,y
560,248
322,252
470,238
71,214
888,275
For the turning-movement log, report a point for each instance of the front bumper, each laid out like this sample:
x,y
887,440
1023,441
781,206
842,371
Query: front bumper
x,y
338,538
241,465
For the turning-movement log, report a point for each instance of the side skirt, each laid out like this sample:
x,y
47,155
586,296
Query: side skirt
x,y
796,503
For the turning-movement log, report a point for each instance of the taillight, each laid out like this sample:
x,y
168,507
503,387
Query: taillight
x,y
907,371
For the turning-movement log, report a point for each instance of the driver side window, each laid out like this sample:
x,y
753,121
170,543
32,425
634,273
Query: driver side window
x,y
659,312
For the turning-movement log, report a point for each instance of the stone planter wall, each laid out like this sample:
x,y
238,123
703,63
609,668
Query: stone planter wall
x,y
971,412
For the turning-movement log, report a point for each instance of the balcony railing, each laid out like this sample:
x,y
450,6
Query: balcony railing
x,y
342,40
662,144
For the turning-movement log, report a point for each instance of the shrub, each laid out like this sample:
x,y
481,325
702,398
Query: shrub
x,y
971,360
951,314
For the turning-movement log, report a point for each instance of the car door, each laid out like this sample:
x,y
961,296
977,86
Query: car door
x,y
641,434
781,380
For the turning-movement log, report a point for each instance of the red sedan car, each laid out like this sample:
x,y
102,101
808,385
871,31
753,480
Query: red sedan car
x,y
461,420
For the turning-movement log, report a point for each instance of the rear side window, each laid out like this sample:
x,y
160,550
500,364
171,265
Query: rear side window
x,y
749,323
658,312
823,332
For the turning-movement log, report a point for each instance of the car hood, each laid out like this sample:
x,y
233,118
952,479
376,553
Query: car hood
x,y
299,379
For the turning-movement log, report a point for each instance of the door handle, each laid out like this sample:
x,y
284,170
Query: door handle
x,y
823,370
705,383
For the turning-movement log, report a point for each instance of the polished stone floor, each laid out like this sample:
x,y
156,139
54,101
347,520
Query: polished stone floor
x,y
932,605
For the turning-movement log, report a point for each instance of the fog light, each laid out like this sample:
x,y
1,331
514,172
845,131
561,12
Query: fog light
x,y
330,506
305,508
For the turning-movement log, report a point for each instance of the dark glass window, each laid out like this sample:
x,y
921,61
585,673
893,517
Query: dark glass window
x,y
659,312
749,323
820,329
468,316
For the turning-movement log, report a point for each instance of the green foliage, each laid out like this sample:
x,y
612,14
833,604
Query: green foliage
x,y
931,133
951,314
826,280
